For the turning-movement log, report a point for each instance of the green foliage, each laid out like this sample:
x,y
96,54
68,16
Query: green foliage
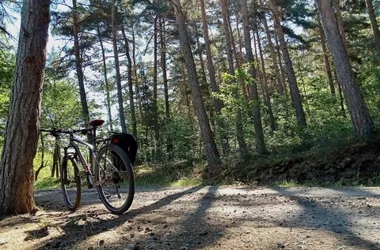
x,y
7,64
47,183
60,105
176,173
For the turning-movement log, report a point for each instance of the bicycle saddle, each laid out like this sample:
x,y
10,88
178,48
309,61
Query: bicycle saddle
x,y
96,122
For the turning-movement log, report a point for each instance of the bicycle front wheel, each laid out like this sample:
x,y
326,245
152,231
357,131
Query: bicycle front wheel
x,y
115,179
70,183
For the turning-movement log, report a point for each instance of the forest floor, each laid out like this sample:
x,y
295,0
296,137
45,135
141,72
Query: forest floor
x,y
205,217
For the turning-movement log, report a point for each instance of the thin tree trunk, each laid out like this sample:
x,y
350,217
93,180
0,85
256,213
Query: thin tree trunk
x,y
341,99
275,64
326,57
130,84
375,28
42,165
293,86
135,77
360,117
264,87
155,90
211,73
78,66
212,154
210,65
107,88
230,48
21,137
340,22
260,143
117,69
281,65
164,69
169,142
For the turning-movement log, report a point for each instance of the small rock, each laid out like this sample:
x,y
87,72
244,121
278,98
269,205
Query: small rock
x,y
279,245
101,243
132,247
3,241
203,233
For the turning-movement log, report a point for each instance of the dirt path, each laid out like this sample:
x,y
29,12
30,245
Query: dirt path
x,y
205,218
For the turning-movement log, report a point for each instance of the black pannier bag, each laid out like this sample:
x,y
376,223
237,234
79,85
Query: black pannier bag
x,y
127,142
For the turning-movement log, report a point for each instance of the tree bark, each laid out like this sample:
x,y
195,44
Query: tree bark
x,y
264,86
275,65
375,28
78,66
218,104
260,143
164,68
117,69
360,117
212,154
130,84
210,65
326,57
21,137
155,89
107,88
230,48
340,22
293,86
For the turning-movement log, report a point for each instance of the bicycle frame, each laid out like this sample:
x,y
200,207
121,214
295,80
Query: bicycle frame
x,y
74,141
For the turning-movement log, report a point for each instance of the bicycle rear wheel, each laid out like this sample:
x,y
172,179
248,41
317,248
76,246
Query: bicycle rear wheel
x,y
115,179
70,183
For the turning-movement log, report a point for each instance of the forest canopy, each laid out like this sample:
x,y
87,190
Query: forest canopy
x,y
208,80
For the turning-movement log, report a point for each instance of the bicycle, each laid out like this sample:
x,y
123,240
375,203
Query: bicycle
x,y
110,171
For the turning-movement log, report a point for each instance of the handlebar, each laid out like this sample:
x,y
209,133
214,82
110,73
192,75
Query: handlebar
x,y
55,132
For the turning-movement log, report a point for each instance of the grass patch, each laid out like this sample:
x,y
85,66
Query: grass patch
x,y
176,174
47,183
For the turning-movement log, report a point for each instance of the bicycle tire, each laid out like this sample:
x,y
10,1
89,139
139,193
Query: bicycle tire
x,y
69,177
115,174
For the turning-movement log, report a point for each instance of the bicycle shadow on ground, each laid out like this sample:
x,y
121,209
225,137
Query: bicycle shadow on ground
x,y
317,216
68,240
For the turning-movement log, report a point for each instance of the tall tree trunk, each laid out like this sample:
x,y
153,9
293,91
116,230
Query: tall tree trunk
x,y
260,143
340,22
169,143
135,77
211,73
230,48
212,154
107,88
130,84
264,87
275,64
375,28
155,89
43,164
210,65
21,137
280,64
117,69
341,98
357,108
293,86
78,65
164,68
326,57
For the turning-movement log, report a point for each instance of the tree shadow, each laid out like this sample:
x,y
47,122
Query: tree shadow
x,y
68,241
315,215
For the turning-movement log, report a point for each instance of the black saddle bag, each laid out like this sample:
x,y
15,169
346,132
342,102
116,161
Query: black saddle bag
x,y
127,142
